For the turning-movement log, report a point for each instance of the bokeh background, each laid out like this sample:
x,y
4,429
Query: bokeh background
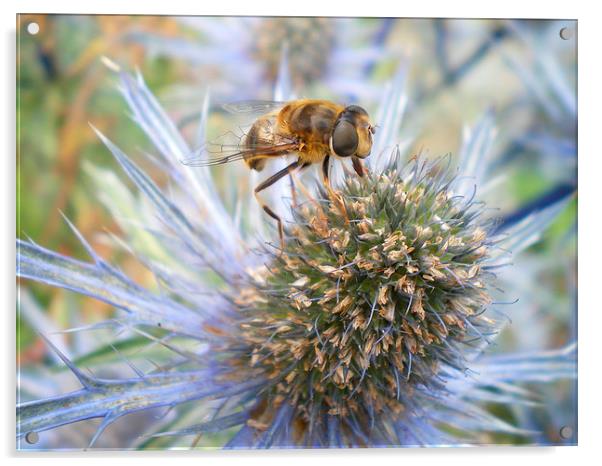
x,y
522,72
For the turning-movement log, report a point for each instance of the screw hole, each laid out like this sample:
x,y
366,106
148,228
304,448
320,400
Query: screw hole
x,y
32,438
566,33
33,28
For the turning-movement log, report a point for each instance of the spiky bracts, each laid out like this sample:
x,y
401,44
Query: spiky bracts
x,y
361,309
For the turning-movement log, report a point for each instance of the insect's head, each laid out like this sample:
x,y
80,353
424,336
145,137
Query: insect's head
x,y
352,133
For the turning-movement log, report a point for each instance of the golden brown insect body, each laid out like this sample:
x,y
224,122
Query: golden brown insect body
x,y
311,124
315,130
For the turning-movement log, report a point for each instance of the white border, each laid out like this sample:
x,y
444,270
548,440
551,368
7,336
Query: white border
x,y
590,155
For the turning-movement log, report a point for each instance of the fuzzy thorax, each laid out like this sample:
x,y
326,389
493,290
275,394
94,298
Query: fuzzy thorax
x,y
352,318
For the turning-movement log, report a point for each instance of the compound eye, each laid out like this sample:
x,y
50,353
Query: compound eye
x,y
344,139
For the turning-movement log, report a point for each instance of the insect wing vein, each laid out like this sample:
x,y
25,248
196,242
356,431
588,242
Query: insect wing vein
x,y
252,106
232,155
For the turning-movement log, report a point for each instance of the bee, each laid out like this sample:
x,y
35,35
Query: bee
x,y
314,130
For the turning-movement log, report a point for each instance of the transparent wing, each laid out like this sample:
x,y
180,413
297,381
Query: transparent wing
x,y
259,107
225,153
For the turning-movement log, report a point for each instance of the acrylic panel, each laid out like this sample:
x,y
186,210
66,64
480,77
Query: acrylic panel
x,y
295,232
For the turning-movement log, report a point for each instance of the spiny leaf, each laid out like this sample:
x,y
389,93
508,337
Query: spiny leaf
x,y
108,285
214,425
112,399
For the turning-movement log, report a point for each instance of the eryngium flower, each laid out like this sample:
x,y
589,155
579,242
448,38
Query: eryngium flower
x,y
250,52
354,318
366,330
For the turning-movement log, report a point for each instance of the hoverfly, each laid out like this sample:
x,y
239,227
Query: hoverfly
x,y
315,130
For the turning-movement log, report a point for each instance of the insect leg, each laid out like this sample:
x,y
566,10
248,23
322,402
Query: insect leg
x,y
325,170
292,180
266,184
332,194
358,166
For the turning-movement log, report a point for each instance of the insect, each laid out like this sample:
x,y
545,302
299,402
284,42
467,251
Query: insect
x,y
315,130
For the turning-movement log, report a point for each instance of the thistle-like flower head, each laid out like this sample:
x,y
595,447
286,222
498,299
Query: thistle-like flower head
x,y
334,52
360,310
310,42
